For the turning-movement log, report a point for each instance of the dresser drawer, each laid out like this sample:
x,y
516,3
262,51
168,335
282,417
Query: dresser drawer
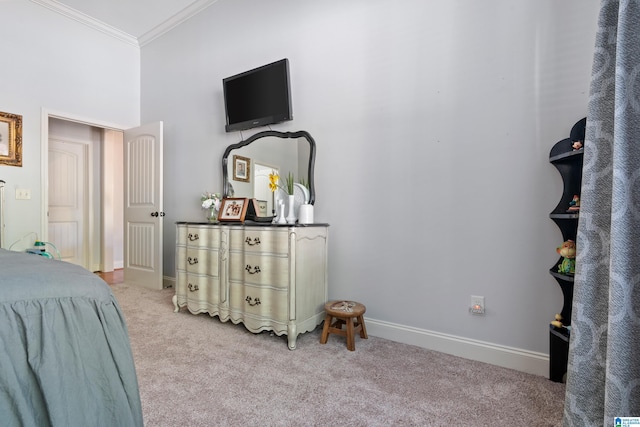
x,y
259,269
259,302
198,261
272,241
199,236
198,288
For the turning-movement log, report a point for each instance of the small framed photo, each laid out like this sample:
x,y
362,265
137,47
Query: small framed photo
x,y
241,168
233,209
257,211
10,139
261,207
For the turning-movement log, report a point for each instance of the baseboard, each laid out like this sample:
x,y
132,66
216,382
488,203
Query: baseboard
x,y
508,357
495,354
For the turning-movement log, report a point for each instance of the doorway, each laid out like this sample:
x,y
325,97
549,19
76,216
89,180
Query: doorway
x,y
261,190
84,193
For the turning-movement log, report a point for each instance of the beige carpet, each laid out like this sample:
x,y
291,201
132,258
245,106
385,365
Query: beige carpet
x,y
198,371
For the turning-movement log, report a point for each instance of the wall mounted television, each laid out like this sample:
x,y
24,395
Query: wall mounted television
x,y
258,97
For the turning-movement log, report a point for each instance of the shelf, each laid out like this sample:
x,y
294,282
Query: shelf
x,y
564,216
567,155
569,164
565,277
561,333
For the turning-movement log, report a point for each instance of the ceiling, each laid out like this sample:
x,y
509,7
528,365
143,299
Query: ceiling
x,y
138,20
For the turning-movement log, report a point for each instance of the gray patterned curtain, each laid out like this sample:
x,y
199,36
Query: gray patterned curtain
x,y
603,379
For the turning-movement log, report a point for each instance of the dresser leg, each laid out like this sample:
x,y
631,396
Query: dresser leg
x,y
292,336
175,303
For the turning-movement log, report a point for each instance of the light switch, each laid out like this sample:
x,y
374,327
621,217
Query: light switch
x,y
23,194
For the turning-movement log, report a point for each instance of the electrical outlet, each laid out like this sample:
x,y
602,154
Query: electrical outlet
x,y
23,194
477,305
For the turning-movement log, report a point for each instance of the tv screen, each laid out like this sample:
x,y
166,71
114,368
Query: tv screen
x,y
258,97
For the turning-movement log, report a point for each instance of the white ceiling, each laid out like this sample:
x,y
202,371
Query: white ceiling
x,y
134,19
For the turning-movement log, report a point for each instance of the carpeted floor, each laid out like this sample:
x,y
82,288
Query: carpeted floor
x,y
198,371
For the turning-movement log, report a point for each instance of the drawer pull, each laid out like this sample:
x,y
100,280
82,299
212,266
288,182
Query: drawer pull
x,y
252,242
256,269
194,237
254,303
192,261
193,288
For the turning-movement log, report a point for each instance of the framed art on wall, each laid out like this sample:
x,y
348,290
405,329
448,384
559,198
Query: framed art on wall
x,y
233,209
10,139
241,168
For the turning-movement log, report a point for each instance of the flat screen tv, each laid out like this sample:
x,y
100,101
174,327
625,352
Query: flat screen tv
x,y
258,97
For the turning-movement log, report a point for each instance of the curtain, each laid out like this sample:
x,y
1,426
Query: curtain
x,y
603,374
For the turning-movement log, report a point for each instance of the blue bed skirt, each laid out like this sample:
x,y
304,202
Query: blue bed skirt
x,y
65,356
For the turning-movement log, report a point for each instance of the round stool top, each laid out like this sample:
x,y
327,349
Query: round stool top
x,y
344,308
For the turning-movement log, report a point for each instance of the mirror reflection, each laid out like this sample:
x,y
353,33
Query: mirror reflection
x,y
246,166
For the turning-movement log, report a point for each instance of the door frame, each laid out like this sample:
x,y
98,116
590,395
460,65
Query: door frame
x,y
44,166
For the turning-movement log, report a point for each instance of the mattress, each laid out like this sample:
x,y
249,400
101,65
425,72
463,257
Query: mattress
x,y
65,356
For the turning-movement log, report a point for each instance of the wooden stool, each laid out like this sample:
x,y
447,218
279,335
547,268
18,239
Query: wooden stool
x,y
344,312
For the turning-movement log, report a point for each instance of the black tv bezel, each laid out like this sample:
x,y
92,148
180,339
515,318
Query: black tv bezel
x,y
259,121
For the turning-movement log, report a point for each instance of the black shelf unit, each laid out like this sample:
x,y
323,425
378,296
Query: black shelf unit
x,y
569,163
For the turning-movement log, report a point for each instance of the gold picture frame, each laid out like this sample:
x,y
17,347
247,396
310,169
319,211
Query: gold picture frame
x,y
10,139
241,168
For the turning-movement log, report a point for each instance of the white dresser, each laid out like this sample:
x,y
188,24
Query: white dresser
x,y
269,277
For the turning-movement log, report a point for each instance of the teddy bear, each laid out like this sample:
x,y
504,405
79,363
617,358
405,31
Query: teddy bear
x,y
568,253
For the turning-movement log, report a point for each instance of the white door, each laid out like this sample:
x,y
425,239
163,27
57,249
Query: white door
x,y
143,213
67,204
261,189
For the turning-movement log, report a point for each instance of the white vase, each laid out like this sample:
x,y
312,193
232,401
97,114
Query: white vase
x,y
291,216
305,215
281,217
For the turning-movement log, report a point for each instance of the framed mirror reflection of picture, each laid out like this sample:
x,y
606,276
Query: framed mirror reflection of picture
x,y
241,168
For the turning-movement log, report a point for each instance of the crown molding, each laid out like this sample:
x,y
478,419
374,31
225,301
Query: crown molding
x,y
88,21
166,26
188,12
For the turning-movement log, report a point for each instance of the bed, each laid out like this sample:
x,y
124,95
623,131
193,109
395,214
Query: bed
x,y
65,356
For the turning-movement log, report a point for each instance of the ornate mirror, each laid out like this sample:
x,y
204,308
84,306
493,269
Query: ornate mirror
x,y
246,165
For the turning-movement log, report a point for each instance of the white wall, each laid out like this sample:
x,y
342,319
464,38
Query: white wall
x,y
56,64
433,121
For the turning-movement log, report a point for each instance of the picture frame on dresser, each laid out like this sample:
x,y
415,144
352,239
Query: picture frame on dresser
x,y
233,209
241,168
257,211
258,207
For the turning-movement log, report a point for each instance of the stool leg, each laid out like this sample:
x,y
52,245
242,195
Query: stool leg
x,y
363,331
325,329
351,345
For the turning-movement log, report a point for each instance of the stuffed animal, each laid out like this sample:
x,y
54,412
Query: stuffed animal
x,y
568,253
577,134
557,322
574,204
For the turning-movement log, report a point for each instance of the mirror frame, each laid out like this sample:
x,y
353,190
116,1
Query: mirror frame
x,y
267,133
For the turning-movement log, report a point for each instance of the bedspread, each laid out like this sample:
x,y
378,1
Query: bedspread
x,y
65,356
